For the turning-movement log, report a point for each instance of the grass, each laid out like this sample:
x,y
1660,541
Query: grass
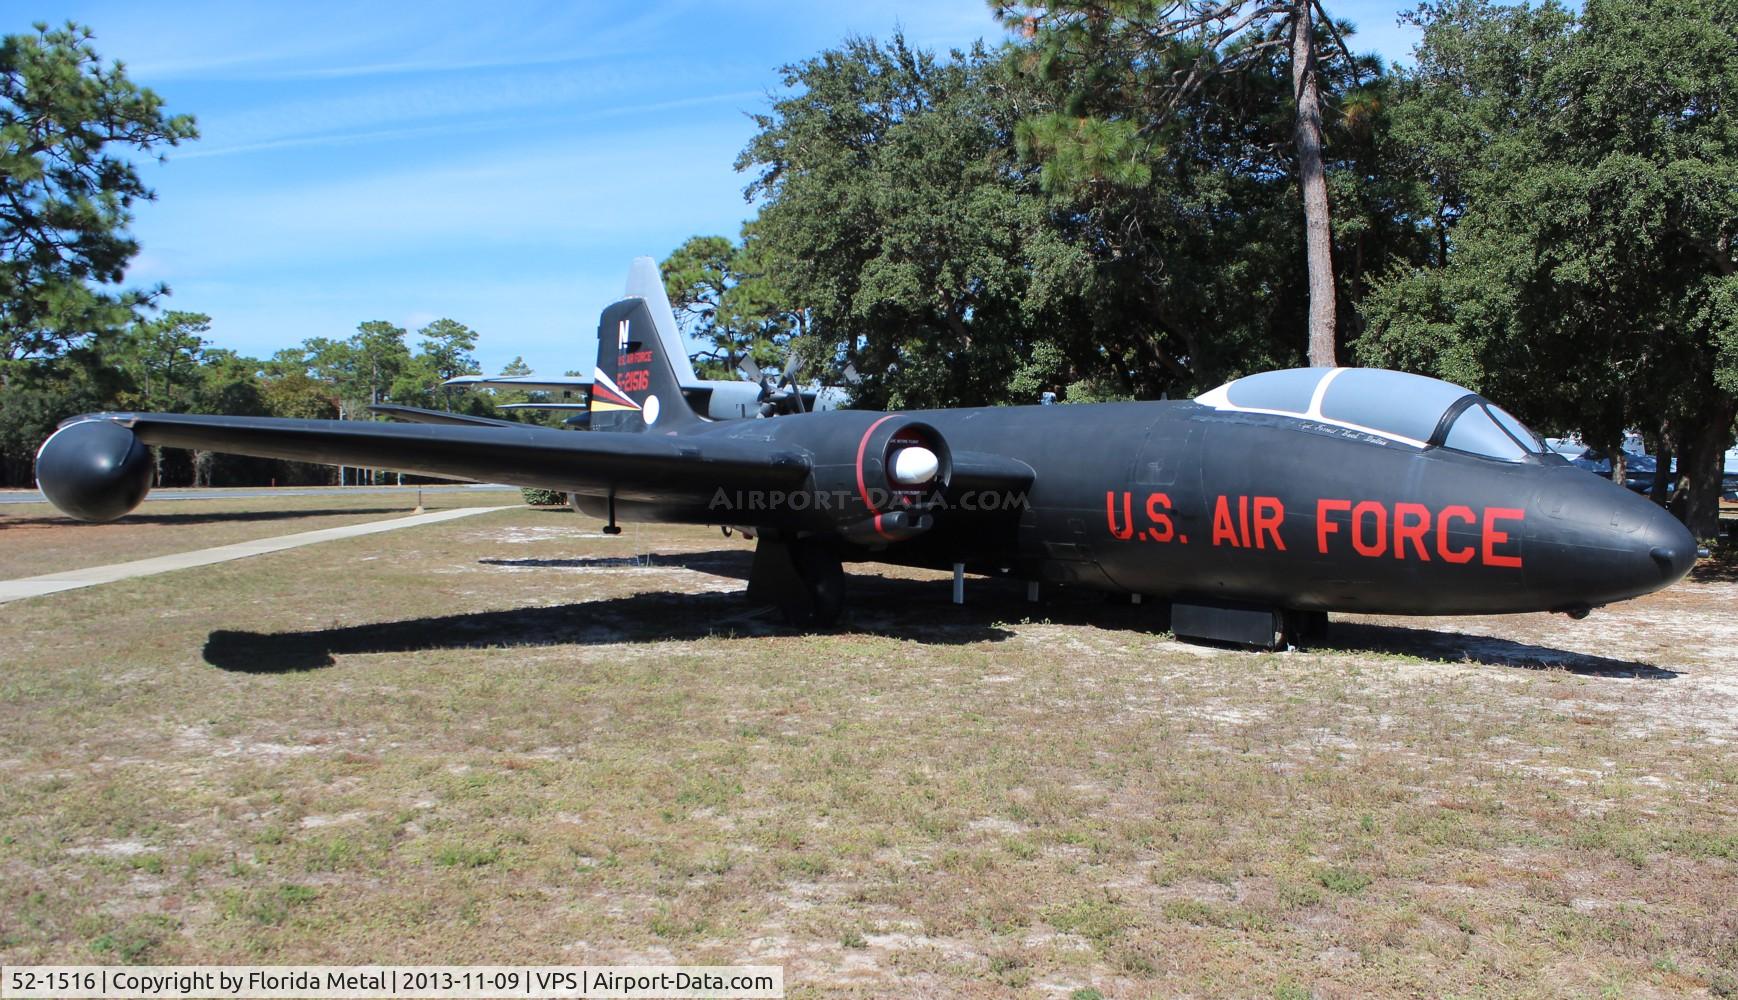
x,y
498,740
1343,880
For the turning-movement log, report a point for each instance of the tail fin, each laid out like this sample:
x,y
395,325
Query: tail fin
x,y
635,385
646,282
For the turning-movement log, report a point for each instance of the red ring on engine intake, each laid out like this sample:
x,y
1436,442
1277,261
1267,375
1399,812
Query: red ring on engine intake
x,y
862,486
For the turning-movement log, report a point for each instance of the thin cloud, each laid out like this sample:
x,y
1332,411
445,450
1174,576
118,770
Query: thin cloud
x,y
369,40
666,181
464,127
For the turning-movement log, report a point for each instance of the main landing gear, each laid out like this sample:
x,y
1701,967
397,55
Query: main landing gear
x,y
801,577
1305,627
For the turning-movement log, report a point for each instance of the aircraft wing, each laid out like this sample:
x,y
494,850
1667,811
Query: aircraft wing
x,y
85,453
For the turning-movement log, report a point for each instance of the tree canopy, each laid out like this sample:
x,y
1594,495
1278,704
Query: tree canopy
x,y
909,201
896,216
720,300
1128,74
67,187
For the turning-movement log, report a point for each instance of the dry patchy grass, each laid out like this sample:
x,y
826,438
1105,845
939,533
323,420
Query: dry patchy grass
x,y
510,738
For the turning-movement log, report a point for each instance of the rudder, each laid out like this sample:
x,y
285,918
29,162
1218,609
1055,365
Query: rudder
x,y
635,385
646,282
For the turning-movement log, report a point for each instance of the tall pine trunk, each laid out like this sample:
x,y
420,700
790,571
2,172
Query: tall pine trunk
x,y
1318,236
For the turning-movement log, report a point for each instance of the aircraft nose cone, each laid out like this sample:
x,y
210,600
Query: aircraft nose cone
x,y
1595,543
1670,546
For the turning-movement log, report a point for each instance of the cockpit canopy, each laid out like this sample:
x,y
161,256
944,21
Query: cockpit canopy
x,y
1410,409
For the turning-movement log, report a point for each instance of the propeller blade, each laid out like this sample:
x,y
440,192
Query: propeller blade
x,y
748,369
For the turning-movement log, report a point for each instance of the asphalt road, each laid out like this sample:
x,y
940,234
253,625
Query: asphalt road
x,y
253,493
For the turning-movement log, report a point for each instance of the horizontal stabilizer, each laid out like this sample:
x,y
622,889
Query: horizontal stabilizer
x,y
418,415
570,384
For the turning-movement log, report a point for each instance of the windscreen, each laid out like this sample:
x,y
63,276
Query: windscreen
x,y
1476,433
1518,430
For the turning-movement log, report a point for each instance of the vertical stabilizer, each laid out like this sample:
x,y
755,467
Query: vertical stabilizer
x,y
646,282
634,387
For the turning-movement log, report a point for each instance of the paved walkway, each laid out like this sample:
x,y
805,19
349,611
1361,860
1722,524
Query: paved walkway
x,y
49,583
262,492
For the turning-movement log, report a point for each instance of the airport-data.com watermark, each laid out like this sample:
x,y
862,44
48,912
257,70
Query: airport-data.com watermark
x,y
378,982
878,499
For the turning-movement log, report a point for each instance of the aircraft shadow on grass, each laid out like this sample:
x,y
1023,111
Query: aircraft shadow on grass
x,y
215,517
653,616
1464,647
910,609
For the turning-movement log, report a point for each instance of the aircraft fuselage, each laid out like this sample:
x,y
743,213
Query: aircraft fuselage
x,y
1177,499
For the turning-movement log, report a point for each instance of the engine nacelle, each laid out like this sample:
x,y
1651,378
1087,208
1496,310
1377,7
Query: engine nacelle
x,y
864,468
94,470
895,470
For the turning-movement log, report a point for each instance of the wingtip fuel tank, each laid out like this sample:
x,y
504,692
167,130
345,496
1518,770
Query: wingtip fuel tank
x,y
94,470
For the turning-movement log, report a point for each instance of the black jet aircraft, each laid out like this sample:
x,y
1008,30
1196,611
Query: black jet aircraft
x,y
1252,510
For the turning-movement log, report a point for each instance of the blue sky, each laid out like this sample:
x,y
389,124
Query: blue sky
x,y
496,163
